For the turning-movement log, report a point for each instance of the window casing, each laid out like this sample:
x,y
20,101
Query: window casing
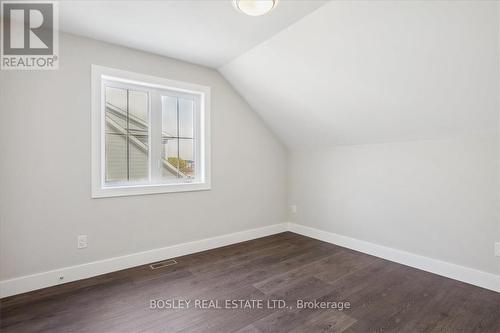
x,y
149,134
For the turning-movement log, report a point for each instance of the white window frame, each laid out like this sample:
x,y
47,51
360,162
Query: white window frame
x,y
100,75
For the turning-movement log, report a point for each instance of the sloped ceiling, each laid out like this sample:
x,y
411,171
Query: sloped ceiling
x,y
359,72
207,32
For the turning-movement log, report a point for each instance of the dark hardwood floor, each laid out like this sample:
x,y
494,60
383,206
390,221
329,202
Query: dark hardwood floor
x,y
383,296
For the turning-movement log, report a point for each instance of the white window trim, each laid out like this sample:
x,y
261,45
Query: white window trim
x,y
97,154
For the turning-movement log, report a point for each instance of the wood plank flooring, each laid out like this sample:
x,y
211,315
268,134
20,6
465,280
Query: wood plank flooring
x,y
383,296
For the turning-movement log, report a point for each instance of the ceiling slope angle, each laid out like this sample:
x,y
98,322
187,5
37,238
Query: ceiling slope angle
x,y
357,72
208,32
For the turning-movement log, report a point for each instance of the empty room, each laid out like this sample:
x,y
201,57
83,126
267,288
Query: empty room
x,y
250,166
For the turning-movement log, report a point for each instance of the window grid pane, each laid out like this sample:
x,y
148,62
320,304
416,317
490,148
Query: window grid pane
x,y
178,138
126,135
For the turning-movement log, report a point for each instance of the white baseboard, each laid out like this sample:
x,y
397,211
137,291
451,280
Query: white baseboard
x,y
453,271
50,278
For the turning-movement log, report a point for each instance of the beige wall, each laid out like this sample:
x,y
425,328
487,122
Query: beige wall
x,y
45,168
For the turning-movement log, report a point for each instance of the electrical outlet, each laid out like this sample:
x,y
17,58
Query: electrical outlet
x,y
82,241
497,249
293,209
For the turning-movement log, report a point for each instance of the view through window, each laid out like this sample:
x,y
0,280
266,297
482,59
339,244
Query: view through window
x,y
139,151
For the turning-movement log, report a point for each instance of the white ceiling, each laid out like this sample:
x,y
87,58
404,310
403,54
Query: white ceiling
x,y
205,32
356,72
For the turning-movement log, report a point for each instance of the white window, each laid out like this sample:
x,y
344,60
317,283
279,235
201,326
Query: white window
x,y
149,134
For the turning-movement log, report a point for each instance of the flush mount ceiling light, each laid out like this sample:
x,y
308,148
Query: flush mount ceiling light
x,y
255,7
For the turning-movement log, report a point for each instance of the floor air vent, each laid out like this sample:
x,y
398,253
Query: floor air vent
x,y
164,263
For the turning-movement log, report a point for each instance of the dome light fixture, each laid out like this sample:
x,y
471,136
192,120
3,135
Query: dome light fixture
x,y
255,7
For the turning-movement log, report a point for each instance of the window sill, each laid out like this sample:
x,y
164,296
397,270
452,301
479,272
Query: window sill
x,y
120,191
